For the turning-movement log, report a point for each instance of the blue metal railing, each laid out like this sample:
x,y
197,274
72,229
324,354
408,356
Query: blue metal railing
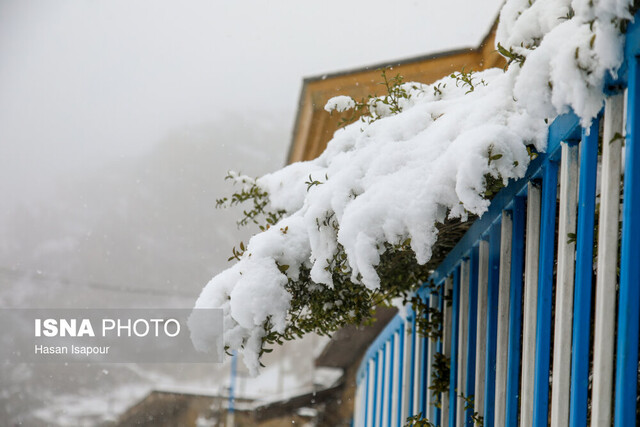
x,y
511,198
513,201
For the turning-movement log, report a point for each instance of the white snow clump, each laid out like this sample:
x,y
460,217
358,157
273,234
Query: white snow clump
x,y
339,103
395,178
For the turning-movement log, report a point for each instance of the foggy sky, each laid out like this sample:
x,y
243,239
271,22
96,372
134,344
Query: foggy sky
x,y
85,81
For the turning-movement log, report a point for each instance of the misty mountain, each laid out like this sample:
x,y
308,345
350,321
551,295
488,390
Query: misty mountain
x,y
147,224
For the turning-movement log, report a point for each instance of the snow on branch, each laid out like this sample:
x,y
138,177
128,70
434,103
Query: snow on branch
x,y
355,227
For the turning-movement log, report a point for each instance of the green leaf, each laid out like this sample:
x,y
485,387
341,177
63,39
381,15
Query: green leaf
x,y
283,268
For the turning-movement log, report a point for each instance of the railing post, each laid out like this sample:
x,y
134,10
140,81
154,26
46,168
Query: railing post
x,y
532,252
368,421
389,348
515,312
395,390
401,370
455,322
471,341
446,346
358,410
564,286
502,335
407,358
605,320
386,381
463,338
584,271
412,366
492,325
377,405
430,404
426,363
418,367
545,289
481,324
629,299
440,349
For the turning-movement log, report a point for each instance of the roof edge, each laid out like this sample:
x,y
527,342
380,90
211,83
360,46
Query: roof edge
x,y
391,63
411,60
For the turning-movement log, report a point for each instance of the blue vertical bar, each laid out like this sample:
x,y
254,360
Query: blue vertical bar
x,y
412,361
545,294
453,372
515,311
401,335
232,382
471,342
439,349
366,396
492,324
392,347
375,402
584,270
627,351
383,381
424,342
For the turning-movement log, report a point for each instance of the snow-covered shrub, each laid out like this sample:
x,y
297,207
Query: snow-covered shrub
x,y
355,227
